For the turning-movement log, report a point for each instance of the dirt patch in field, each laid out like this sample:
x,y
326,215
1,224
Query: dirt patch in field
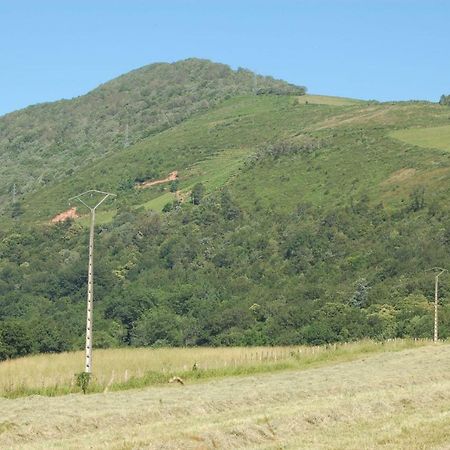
x,y
69,214
399,176
146,184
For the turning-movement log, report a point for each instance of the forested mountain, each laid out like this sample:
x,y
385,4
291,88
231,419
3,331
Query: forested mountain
x,y
291,219
48,142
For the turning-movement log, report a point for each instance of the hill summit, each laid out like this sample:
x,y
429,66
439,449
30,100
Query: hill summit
x,y
48,142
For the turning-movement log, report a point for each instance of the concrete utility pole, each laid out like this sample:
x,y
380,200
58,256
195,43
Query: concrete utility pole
x,y
436,301
14,192
90,289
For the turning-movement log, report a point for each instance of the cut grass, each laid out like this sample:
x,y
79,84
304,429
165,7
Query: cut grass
x,y
117,369
434,137
376,401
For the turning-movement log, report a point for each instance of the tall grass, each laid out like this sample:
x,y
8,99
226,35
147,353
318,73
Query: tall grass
x,y
126,368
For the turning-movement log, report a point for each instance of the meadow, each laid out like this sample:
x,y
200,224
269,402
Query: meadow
x,y
431,137
127,368
327,100
365,399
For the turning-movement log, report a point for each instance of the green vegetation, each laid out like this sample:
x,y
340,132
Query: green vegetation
x,y
328,100
120,369
288,224
44,144
211,174
433,137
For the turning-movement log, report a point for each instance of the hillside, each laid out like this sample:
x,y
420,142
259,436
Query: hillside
x,y
292,220
48,142
392,400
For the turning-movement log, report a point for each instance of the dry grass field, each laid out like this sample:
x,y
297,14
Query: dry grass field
x,y
381,400
125,368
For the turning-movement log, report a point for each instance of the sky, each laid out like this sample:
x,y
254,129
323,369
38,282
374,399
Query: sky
x,y
371,49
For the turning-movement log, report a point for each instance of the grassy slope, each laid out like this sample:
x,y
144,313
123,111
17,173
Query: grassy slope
x,y
328,100
213,173
358,156
242,123
46,143
388,400
433,137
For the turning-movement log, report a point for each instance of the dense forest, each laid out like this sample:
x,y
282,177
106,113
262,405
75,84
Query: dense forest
x,y
213,274
291,222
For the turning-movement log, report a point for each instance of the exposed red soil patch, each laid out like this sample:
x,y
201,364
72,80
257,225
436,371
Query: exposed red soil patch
x,y
69,214
172,177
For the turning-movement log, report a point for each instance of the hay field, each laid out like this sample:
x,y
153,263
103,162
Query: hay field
x,y
390,400
126,368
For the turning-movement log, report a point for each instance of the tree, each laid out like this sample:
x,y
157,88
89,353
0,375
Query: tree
x,y
15,339
197,193
444,100
360,297
157,327
417,199
167,207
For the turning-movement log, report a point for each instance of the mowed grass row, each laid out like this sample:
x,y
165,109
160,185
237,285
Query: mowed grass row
x,y
127,368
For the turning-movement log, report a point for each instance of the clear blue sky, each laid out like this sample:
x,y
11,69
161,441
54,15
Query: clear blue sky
x,y
373,49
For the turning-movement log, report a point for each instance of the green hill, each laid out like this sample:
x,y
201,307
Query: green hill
x,y
293,220
44,143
